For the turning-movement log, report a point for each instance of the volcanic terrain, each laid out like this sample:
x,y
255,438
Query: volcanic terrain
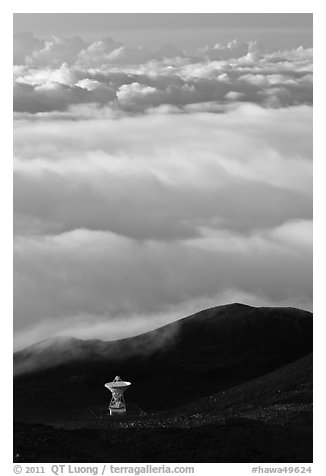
x,y
228,384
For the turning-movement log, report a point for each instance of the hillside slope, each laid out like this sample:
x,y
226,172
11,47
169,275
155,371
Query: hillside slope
x,y
268,419
194,357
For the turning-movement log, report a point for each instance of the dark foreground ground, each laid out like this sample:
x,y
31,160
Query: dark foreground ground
x,y
229,384
266,420
235,440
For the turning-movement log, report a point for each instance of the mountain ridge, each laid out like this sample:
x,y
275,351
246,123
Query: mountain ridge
x,y
219,347
45,344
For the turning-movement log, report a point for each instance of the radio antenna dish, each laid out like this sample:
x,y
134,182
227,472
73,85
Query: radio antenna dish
x,y
117,404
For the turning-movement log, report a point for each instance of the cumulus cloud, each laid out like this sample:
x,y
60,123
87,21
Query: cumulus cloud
x,y
25,44
152,184
48,96
97,53
233,49
55,52
139,79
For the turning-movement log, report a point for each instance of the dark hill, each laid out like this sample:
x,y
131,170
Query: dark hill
x,y
268,419
194,357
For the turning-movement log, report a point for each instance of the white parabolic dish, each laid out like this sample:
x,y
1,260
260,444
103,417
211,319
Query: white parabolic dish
x,y
118,386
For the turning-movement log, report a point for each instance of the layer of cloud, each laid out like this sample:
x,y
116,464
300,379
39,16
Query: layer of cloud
x,y
166,171
135,79
113,288
133,216
151,184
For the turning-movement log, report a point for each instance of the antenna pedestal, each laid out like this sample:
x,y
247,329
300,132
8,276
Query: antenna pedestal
x,y
117,388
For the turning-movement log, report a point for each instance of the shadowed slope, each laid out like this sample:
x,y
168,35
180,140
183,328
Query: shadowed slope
x,y
268,419
191,358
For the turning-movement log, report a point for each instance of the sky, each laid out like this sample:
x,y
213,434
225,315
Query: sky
x,y
162,165
184,30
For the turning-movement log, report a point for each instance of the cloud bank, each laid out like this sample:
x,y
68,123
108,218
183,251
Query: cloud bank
x,y
57,73
152,184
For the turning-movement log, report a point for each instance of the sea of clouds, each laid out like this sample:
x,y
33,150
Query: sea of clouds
x,y
151,184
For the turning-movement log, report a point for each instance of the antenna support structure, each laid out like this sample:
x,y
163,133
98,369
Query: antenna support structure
x,y
117,404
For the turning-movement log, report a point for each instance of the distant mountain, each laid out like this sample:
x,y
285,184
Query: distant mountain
x,y
194,357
